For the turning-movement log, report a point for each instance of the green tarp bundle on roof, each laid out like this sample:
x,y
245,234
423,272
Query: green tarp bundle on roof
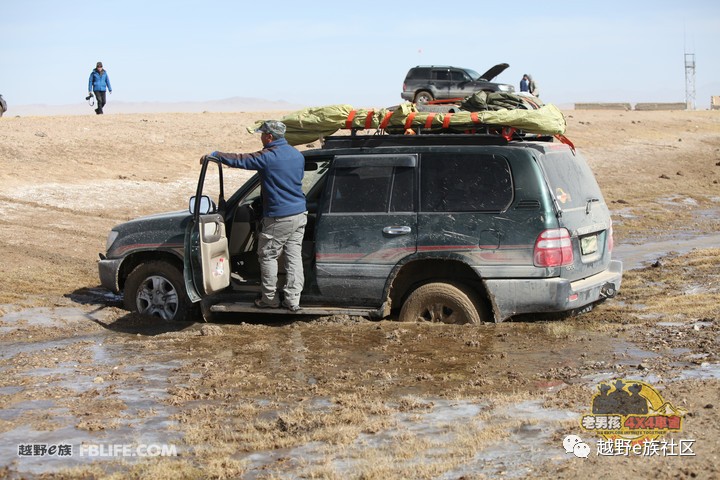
x,y
480,109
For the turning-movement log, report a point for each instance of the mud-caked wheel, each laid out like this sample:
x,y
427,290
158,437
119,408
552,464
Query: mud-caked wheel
x,y
441,303
423,96
158,289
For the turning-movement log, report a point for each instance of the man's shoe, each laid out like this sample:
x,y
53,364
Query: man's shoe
x,y
260,303
292,308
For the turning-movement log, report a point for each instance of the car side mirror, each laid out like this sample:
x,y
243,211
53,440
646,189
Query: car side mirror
x,y
206,205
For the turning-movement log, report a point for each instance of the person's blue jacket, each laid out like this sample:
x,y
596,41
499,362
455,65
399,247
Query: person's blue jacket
x,y
281,167
99,82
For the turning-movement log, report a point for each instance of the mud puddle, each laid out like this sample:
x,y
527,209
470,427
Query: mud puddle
x,y
78,384
454,400
636,255
126,387
434,430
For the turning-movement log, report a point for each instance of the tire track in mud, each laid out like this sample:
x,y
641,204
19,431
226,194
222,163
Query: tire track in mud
x,y
54,208
49,228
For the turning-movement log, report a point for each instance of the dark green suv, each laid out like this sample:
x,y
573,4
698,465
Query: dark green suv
x,y
455,228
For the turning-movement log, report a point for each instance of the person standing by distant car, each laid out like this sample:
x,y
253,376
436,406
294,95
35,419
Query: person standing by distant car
x,y
281,167
98,84
525,84
533,86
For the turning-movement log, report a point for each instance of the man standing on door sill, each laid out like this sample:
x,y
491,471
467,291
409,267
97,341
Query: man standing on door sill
x,y
281,167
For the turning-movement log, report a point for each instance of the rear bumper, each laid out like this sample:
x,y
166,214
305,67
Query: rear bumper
x,y
516,296
108,270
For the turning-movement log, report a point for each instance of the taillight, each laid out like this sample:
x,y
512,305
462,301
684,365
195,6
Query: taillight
x,y
404,87
553,248
611,239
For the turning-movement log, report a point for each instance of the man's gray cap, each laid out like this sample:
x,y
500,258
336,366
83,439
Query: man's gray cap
x,y
273,127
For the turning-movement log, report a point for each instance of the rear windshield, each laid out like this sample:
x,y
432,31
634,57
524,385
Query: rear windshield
x,y
570,179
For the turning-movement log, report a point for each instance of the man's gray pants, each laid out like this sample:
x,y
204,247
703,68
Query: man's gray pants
x,y
282,235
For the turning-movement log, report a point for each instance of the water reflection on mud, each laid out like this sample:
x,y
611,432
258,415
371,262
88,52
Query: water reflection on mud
x,y
636,255
80,374
77,389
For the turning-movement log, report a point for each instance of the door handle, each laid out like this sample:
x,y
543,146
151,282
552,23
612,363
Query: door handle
x,y
397,230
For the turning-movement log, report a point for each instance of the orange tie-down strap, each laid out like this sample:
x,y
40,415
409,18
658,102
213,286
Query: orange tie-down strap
x,y
409,120
353,113
369,118
429,120
565,140
508,132
350,118
385,121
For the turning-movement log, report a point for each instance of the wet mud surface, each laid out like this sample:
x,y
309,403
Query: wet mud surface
x,y
343,397
263,397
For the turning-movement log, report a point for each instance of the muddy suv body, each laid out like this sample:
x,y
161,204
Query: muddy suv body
x,y
451,228
426,83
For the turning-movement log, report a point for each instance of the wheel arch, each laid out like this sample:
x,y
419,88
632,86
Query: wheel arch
x,y
132,261
407,277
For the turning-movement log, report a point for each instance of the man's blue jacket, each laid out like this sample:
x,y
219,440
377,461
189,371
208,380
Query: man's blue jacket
x,y
99,82
281,167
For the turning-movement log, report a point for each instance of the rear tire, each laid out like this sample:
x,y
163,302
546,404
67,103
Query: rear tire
x,y
158,289
423,96
441,303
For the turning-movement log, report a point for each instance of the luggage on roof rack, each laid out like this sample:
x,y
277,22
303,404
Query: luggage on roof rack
x,y
310,124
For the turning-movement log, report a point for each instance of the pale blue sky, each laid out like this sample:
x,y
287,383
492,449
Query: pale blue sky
x,y
327,52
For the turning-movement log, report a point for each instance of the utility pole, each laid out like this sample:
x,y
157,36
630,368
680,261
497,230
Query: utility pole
x,y
690,81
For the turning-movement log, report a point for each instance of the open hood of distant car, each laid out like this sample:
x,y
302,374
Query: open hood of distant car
x,y
494,71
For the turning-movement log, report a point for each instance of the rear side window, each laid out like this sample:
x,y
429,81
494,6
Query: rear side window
x,y
418,74
570,179
377,189
465,183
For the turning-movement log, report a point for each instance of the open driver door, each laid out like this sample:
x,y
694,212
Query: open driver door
x,y
207,260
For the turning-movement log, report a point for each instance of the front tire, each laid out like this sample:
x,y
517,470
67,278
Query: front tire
x,y
441,303
158,289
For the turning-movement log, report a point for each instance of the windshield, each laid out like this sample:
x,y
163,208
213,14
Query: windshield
x,y
473,74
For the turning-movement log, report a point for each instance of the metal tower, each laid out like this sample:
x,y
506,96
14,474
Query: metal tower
x,y
690,81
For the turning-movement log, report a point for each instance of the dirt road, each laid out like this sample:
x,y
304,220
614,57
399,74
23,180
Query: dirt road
x,y
340,397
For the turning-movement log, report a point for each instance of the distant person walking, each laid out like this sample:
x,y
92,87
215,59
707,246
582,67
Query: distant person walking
x,y
98,83
525,84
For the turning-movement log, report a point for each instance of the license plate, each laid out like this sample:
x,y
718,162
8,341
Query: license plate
x,y
589,244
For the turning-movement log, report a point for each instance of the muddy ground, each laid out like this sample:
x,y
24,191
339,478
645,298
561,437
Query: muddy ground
x,y
257,396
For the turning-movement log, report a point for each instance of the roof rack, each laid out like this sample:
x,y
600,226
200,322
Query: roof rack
x,y
488,135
